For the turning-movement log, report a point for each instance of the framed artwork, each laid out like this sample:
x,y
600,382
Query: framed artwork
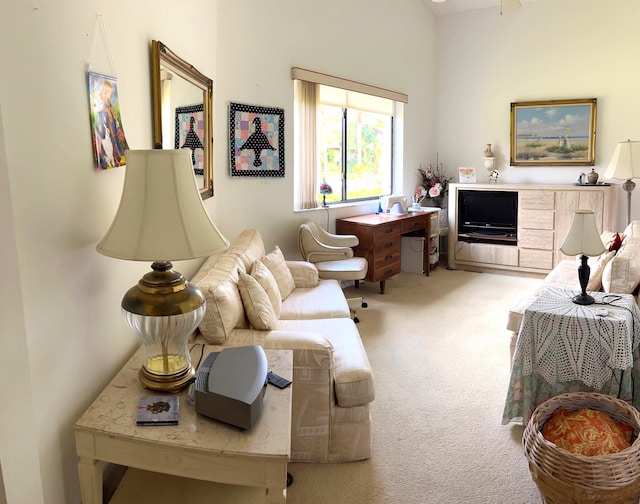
x,y
467,175
190,134
256,141
553,133
108,139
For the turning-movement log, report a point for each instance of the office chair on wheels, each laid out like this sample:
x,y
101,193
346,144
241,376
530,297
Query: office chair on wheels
x,y
333,256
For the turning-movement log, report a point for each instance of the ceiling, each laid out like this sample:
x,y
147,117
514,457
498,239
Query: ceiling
x,y
455,6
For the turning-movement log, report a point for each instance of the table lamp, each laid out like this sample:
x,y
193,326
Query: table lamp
x,y
625,165
324,190
583,239
161,218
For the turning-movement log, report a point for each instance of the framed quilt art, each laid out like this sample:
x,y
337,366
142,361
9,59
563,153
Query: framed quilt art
x,y
256,141
190,133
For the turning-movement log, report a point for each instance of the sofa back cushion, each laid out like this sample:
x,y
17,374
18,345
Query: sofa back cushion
x,y
622,273
224,311
248,246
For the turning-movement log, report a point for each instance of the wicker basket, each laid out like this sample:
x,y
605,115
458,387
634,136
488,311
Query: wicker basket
x,y
566,478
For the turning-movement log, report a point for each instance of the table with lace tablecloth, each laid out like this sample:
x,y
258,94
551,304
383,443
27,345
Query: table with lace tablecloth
x,y
566,347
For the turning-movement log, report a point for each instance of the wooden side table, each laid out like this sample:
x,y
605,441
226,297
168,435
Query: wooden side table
x,y
198,447
379,237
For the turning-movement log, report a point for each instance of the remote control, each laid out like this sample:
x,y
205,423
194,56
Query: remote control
x,y
602,312
277,380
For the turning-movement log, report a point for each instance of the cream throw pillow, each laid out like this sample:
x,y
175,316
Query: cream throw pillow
x,y
267,281
277,264
622,274
256,303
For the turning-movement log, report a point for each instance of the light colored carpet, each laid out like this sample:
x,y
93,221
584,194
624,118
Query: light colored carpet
x,y
440,354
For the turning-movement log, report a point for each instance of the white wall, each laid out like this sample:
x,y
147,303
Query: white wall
x,y
62,332
550,49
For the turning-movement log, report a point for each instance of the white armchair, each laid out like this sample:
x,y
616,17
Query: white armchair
x,y
333,256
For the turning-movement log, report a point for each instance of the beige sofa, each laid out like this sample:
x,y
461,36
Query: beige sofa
x,y
613,271
333,383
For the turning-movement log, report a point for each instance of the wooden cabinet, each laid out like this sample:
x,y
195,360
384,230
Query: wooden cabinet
x,y
545,214
379,237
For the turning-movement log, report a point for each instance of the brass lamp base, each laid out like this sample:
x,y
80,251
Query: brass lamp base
x,y
166,383
164,309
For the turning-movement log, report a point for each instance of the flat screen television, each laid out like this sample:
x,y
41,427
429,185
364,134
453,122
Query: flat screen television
x,y
488,212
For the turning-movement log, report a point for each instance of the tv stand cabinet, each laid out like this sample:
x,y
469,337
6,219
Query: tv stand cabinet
x,y
545,214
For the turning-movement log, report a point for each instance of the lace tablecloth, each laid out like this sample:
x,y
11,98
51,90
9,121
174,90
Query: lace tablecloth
x,y
565,347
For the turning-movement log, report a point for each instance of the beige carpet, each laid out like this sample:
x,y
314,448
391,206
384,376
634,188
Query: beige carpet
x,y
440,354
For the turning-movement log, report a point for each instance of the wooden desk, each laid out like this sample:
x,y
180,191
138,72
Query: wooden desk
x,y
379,236
197,448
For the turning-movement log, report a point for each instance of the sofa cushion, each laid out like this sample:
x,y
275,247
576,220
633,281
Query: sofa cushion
x,y
633,229
224,310
277,264
257,304
354,384
248,246
326,300
266,280
622,274
305,274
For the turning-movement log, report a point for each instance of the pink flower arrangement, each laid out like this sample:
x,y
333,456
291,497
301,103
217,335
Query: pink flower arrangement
x,y
434,181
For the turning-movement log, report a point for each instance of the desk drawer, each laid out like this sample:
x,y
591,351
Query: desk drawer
x,y
384,231
415,223
386,271
387,254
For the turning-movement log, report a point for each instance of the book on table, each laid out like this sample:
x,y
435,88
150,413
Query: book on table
x,y
158,410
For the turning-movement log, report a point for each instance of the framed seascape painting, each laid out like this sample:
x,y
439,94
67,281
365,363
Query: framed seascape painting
x,y
553,133
190,134
256,141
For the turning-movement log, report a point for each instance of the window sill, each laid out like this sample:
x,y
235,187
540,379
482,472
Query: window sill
x,y
336,206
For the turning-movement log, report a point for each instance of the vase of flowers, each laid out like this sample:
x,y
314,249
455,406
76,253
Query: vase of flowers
x,y
433,185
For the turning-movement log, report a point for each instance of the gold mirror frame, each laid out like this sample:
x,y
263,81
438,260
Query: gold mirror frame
x,y
162,58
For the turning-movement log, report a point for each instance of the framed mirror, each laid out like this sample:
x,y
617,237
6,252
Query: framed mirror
x,y
182,111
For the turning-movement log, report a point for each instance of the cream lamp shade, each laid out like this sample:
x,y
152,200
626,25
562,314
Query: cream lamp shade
x,y
625,165
583,237
161,218
583,240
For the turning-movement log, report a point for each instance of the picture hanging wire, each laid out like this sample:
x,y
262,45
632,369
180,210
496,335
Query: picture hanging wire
x,y
99,25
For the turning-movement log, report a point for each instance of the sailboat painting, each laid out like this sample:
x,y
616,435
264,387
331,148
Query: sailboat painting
x,y
553,133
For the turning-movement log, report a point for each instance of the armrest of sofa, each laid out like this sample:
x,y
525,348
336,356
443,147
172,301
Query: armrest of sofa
x,y
305,274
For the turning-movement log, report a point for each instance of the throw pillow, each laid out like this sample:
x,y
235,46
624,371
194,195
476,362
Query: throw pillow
x,y
597,268
256,303
267,281
587,432
617,241
277,264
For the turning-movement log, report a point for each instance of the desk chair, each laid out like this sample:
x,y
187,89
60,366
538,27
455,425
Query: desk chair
x,y
333,256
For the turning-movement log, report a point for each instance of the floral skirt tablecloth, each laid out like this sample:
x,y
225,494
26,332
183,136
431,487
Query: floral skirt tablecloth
x,y
526,392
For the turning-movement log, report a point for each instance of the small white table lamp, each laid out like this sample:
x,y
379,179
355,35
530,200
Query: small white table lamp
x,y
161,218
583,239
625,165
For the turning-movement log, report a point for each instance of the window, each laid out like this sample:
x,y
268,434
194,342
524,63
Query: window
x,y
343,136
